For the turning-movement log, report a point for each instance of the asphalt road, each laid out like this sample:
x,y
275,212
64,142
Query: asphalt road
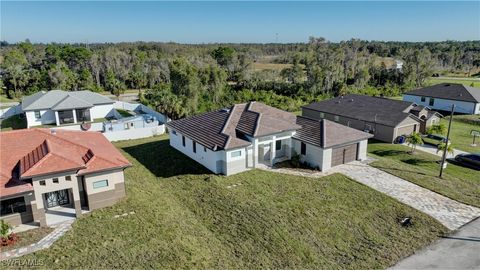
x,y
458,251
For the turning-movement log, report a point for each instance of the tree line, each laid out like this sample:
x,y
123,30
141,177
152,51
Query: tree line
x,y
185,79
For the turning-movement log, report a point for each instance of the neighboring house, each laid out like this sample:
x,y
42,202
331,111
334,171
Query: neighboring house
x,y
43,168
62,107
442,96
385,118
132,122
234,140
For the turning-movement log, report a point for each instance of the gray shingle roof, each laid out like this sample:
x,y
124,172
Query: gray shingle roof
x,y
61,100
380,110
326,134
452,91
223,129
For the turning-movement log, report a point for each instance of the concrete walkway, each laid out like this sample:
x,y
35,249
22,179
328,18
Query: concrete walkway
x,y
59,230
458,251
432,149
450,213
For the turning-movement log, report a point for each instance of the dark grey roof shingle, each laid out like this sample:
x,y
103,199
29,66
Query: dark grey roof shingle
x,y
452,91
380,110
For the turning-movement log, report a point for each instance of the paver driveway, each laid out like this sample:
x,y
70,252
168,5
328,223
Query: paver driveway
x,y
450,213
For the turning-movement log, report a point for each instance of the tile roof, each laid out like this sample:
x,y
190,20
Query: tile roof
x,y
34,152
452,91
223,129
325,134
61,100
380,110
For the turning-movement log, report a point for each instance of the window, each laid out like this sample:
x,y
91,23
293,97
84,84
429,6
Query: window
x,y
68,178
423,99
100,184
336,118
55,180
303,148
278,145
322,115
125,126
194,145
204,149
174,132
415,128
38,115
236,154
183,141
432,102
15,205
42,182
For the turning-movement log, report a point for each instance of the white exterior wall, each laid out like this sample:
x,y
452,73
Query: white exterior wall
x,y
315,156
113,178
207,158
100,111
362,150
137,133
445,104
235,164
47,117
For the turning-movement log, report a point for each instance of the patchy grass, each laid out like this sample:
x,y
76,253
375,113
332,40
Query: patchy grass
x,y
14,122
459,183
186,217
462,125
28,237
4,99
270,66
464,81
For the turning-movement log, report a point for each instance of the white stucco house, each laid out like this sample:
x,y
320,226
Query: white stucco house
x,y
442,96
249,135
65,107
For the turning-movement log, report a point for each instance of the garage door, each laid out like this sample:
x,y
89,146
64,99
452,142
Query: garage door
x,y
407,130
344,154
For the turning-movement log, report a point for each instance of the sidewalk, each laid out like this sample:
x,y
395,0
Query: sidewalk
x,y
432,149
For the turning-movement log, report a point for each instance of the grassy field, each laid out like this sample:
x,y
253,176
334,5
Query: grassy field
x,y
459,183
186,217
465,81
462,125
28,237
4,98
270,66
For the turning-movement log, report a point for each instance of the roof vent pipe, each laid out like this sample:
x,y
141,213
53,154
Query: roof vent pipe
x,y
53,131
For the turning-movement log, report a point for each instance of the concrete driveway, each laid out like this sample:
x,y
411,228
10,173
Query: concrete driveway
x,y
458,251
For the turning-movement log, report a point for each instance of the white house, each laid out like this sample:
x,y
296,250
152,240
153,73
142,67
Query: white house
x,y
442,96
62,107
234,140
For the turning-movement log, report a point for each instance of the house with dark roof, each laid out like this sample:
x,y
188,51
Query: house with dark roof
x,y
385,118
442,96
42,170
65,107
253,134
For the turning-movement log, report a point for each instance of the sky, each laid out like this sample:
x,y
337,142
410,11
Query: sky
x,y
237,22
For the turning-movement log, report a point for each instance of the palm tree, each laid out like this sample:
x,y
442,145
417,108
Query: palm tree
x,y
413,140
437,129
445,147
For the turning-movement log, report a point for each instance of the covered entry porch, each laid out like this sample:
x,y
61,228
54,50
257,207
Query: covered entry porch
x,y
274,149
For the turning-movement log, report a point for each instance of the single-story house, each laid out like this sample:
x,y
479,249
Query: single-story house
x,y
442,96
247,135
41,169
385,118
65,107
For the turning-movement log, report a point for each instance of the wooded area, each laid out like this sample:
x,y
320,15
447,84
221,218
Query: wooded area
x,y
182,79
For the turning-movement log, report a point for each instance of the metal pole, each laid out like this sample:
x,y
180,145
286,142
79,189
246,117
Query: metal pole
x,y
446,143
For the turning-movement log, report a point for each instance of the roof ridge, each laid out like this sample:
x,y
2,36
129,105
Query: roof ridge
x,y
57,137
257,121
54,105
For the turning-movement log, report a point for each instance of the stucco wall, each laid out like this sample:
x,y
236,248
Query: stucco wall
x,y
444,104
24,217
104,196
100,111
362,150
314,154
47,117
235,164
206,157
50,186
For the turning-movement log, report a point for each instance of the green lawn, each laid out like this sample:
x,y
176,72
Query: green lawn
x,y
186,217
4,98
465,81
459,183
462,125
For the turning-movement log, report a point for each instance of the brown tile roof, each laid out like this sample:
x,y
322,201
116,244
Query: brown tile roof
x,y
326,134
39,152
224,129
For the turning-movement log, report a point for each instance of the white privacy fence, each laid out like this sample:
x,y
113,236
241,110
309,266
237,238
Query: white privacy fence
x,y
131,134
139,108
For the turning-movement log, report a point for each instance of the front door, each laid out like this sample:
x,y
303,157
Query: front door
x,y
57,198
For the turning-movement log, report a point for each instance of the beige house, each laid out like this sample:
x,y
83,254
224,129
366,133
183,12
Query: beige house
x,y
386,119
44,169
